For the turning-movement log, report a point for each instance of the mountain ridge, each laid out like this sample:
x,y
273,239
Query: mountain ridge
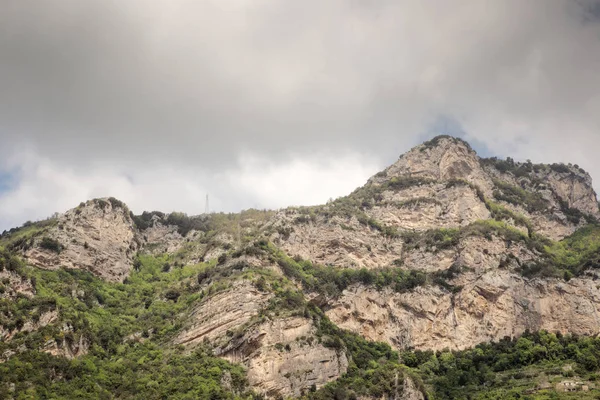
x,y
440,250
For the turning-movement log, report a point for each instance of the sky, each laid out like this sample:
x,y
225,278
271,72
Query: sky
x,y
269,103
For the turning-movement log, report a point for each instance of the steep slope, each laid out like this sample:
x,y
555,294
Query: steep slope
x,y
478,230
440,184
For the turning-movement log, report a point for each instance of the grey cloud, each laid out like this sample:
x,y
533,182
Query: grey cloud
x,y
186,80
200,86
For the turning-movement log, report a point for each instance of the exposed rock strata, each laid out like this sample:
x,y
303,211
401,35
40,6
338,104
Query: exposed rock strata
x,y
284,358
97,236
495,304
339,242
221,314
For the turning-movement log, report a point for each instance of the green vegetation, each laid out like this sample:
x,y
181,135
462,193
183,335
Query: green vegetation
x,y
101,203
570,257
23,238
118,204
510,368
435,240
516,168
436,141
417,201
135,371
127,326
531,201
501,213
9,262
51,244
374,369
215,222
432,240
332,281
26,229
578,252
526,169
361,199
574,215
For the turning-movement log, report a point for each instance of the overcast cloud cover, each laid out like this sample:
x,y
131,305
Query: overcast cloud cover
x,y
274,103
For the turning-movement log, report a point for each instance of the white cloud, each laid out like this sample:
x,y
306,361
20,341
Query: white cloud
x,y
45,187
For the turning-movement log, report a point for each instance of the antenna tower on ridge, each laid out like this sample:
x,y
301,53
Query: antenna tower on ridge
x,y
206,205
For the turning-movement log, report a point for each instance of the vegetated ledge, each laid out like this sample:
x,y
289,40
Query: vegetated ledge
x,y
570,257
573,256
526,169
434,142
366,197
331,281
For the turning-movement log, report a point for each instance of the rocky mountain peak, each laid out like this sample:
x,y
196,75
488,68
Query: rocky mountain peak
x,y
98,235
446,159
442,158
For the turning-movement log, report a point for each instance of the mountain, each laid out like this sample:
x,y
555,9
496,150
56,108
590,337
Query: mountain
x,y
445,276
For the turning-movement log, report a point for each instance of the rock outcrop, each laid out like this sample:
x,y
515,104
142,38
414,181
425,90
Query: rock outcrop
x,y
345,243
71,346
442,159
160,238
220,315
98,236
13,284
429,206
495,304
284,358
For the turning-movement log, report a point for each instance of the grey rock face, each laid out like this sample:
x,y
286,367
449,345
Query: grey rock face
x,y
96,236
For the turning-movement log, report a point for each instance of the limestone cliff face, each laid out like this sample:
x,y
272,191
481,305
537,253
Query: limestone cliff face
x,y
429,206
340,242
193,248
410,391
493,301
282,355
220,315
443,160
576,189
448,159
30,325
161,238
489,306
97,236
443,184
70,346
475,255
